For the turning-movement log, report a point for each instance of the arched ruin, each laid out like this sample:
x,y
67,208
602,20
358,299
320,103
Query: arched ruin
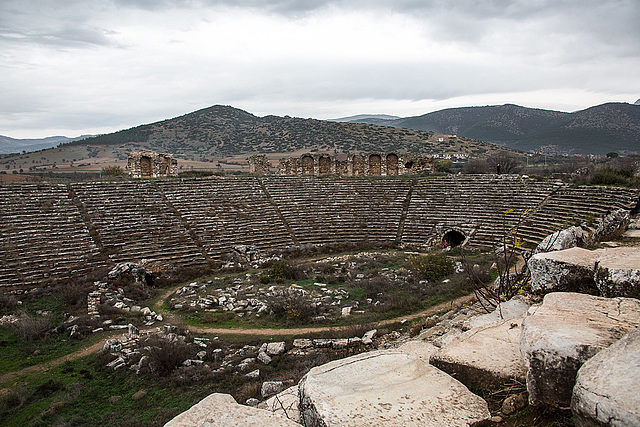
x,y
453,238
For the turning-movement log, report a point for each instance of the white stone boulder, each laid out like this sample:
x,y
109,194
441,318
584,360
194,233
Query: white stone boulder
x,y
563,239
563,333
276,348
618,272
387,388
221,410
606,390
564,270
485,357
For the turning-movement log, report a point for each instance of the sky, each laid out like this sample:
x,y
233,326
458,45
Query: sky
x,y
73,67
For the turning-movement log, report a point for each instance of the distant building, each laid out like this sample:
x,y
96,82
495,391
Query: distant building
x,y
149,164
360,164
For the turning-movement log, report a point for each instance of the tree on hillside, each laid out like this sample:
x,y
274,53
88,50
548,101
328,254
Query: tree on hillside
x,y
508,162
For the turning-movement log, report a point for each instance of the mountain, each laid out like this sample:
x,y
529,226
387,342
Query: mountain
x,y
597,130
12,145
220,131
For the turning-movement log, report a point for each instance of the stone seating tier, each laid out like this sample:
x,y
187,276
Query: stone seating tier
x,y
53,231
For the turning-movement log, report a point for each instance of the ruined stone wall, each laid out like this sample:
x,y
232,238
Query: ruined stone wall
x,y
149,164
361,164
259,165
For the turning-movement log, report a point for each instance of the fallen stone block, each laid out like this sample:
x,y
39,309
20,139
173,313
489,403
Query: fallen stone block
x,y
275,348
563,239
606,390
618,272
221,410
485,357
515,307
386,388
563,333
269,388
568,270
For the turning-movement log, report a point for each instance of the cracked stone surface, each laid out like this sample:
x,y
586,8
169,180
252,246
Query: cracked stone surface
x,y
566,331
618,272
386,388
221,410
487,356
606,390
564,270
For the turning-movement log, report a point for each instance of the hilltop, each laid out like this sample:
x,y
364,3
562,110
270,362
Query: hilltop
x,y
223,130
597,130
223,137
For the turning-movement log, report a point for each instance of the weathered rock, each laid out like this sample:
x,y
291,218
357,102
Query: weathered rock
x,y
264,357
486,357
563,333
284,403
606,390
514,403
221,410
515,307
133,331
418,348
563,239
367,338
564,270
269,388
386,388
275,348
618,272
611,225
302,343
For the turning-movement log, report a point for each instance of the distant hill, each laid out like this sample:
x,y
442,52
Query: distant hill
x,y
226,131
13,145
597,130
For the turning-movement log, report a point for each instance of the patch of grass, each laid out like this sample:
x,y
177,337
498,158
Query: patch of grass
x,y
18,354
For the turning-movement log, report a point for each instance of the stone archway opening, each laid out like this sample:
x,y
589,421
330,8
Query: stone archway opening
x,y
146,167
453,238
307,165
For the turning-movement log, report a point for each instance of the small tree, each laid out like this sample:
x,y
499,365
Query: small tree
x,y
112,171
508,162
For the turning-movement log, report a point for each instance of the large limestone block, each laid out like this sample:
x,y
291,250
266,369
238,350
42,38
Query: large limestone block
x,y
565,270
618,272
515,307
563,239
221,410
487,357
563,333
386,388
606,390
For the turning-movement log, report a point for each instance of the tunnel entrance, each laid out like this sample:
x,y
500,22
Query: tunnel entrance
x,y
453,238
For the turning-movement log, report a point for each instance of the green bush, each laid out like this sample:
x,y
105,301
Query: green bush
x,y
610,176
431,267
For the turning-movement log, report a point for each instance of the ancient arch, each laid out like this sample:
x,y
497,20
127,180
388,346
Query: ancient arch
x,y
375,165
453,238
307,165
392,164
358,165
146,167
324,165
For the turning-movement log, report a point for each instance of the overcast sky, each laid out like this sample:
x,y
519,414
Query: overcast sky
x,y
69,67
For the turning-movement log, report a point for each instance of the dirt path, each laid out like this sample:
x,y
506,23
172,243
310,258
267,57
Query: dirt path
x,y
85,351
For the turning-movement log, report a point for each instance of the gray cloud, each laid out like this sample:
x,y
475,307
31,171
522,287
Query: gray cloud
x,y
84,65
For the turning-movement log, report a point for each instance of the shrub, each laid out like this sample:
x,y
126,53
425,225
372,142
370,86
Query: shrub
x,y
165,355
112,171
431,267
30,328
293,308
8,303
610,176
